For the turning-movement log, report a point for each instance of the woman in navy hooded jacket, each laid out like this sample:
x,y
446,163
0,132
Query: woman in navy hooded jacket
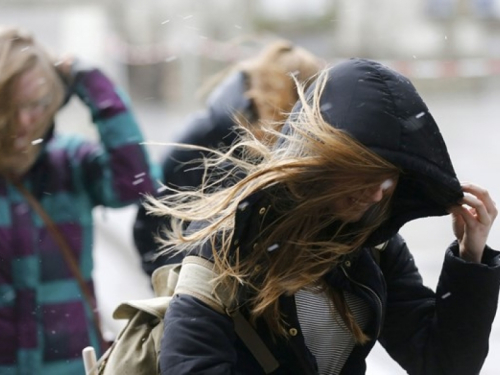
x,y
293,243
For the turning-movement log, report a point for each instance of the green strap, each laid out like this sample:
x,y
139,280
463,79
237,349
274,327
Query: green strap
x,y
254,343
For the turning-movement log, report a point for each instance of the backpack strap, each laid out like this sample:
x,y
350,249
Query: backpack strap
x,y
194,279
164,279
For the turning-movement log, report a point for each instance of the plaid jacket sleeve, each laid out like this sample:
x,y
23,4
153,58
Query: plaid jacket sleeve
x,y
116,172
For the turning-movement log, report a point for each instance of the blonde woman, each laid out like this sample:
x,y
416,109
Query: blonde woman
x,y
45,321
307,242
260,91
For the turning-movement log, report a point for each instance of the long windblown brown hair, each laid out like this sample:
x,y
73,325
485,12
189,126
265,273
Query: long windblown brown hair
x,y
314,165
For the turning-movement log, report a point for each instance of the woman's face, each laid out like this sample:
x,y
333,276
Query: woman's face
x,y
32,96
354,206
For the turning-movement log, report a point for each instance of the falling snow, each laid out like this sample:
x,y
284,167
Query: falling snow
x,y
387,184
163,188
137,182
37,141
242,206
326,107
273,247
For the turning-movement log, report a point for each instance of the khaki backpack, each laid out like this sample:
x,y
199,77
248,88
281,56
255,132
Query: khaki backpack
x,y
136,350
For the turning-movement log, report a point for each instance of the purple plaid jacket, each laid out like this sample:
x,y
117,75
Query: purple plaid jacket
x,y
44,320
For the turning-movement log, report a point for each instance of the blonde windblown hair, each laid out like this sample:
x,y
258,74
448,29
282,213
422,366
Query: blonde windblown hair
x,y
271,83
19,52
313,166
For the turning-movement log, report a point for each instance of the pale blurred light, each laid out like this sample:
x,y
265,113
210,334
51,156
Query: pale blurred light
x,y
286,9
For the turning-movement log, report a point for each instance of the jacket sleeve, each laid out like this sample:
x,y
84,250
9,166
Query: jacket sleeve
x,y
181,169
197,339
117,171
440,333
145,231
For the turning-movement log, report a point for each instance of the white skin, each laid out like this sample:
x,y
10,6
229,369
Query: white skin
x,y
356,205
472,221
472,218
32,97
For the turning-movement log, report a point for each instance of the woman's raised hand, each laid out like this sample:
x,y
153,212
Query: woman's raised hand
x,y
64,65
472,221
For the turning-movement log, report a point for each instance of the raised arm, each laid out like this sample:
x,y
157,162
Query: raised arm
x,y
440,333
117,171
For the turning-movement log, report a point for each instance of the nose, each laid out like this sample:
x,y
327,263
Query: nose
x,y
26,118
373,195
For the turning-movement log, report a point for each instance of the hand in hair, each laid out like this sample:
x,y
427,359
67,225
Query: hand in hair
x,y
64,66
472,221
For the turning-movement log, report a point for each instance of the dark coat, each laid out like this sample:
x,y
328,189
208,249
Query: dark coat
x,y
427,333
212,128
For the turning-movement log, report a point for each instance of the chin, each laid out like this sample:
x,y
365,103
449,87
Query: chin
x,y
350,216
20,164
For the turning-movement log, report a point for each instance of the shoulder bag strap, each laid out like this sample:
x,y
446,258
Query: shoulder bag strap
x,y
67,254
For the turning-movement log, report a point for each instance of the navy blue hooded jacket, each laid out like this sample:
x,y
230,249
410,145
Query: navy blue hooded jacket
x,y
424,331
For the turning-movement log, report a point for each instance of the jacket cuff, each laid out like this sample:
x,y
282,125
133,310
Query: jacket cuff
x,y
79,68
470,276
491,258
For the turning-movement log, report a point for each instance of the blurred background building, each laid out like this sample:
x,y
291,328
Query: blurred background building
x,y
162,51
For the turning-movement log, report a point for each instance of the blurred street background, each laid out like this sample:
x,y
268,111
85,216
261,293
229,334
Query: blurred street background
x,y
161,52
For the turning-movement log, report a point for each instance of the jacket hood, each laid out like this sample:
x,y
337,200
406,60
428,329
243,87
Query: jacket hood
x,y
382,110
228,99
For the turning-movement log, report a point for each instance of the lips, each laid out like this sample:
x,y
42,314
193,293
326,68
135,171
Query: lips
x,y
21,143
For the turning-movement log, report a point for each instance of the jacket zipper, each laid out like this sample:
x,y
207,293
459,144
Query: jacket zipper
x,y
377,298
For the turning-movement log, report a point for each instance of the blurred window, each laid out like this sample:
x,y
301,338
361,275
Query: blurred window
x,y
286,9
485,8
441,9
